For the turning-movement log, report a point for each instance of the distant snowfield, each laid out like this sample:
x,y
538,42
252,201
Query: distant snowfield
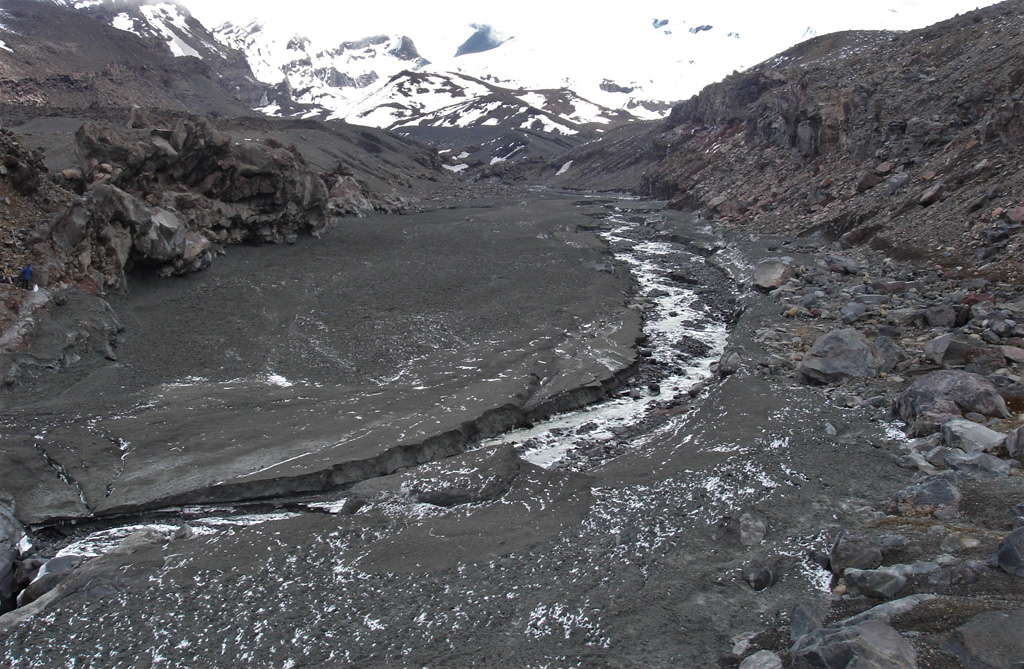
x,y
660,49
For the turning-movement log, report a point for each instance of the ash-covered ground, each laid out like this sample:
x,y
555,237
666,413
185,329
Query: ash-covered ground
x,y
674,523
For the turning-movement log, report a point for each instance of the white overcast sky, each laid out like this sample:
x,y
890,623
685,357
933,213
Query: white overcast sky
x,y
348,20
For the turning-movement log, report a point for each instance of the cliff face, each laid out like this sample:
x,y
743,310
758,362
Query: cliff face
x,y
906,141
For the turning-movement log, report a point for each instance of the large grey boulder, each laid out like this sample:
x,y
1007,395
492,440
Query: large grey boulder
x,y
770,274
853,551
990,640
160,236
978,465
841,355
972,437
1010,555
970,392
877,583
867,644
950,350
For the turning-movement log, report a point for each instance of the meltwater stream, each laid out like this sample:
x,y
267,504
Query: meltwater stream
x,y
683,340
675,314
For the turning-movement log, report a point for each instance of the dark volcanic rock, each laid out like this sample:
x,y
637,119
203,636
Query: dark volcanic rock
x,y
990,639
978,465
841,355
867,644
1010,555
951,349
110,232
853,551
230,191
970,392
874,582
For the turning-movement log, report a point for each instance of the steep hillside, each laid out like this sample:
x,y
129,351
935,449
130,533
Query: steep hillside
x,y
908,142
58,59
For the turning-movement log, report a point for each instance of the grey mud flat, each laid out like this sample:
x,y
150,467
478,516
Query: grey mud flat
x,y
636,562
389,342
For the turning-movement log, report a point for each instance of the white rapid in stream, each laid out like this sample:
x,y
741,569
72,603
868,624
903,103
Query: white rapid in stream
x,y
674,315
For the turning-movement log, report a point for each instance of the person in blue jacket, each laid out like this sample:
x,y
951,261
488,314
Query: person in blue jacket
x,y
26,277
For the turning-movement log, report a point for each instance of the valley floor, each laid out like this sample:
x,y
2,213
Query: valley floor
x,y
684,538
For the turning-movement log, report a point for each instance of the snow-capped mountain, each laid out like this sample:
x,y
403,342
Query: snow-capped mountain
x,y
561,76
314,81
383,81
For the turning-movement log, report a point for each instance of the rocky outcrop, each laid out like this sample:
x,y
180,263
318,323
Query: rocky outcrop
x,y
229,191
851,136
109,231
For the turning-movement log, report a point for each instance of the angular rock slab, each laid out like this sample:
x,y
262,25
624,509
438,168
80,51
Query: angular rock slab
x,y
877,583
978,465
990,639
970,392
867,644
841,355
972,437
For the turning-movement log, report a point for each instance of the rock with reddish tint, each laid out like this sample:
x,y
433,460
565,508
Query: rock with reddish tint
x,y
935,497
867,181
932,195
970,392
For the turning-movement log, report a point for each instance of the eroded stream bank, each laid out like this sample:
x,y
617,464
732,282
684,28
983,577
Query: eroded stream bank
x,y
391,341
630,552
